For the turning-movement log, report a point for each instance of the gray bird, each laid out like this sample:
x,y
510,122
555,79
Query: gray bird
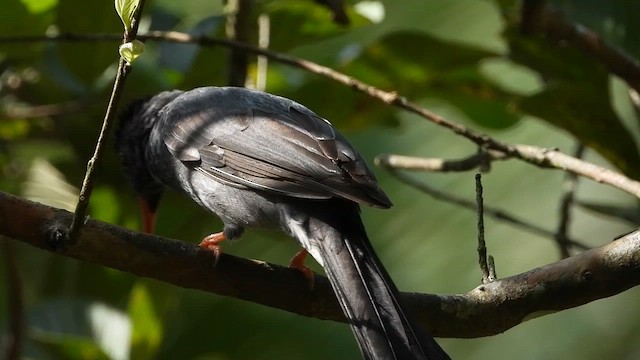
x,y
259,160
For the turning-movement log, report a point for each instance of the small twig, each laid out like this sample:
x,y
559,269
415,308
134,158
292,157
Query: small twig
x,y
264,34
124,69
482,246
481,160
495,213
15,302
531,154
492,268
566,203
39,111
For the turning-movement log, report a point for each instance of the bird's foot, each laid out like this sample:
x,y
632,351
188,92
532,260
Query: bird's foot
x,y
297,262
212,243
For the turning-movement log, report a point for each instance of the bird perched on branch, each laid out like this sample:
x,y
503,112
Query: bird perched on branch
x,y
259,160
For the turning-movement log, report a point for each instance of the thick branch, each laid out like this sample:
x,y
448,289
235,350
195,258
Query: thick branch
x,y
487,310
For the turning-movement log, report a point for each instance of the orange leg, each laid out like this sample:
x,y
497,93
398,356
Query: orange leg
x,y
297,262
212,243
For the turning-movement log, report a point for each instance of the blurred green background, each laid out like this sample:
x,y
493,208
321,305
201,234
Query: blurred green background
x,y
464,59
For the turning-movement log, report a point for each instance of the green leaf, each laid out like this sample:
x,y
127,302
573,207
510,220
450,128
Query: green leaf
x,y
126,9
311,20
147,328
451,72
575,97
131,50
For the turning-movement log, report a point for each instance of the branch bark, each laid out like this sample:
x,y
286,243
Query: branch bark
x,y
486,310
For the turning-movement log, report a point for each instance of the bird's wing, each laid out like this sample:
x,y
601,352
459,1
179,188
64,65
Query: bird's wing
x,y
271,144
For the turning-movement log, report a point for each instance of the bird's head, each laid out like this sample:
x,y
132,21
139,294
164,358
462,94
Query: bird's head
x,y
132,140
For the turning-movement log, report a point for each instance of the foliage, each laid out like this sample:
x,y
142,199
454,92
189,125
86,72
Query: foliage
x,y
464,59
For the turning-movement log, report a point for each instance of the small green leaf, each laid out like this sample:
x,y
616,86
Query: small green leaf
x,y
147,328
126,9
131,50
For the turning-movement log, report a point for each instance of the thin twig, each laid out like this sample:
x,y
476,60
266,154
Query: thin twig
x,y
480,160
39,111
492,268
566,203
546,158
124,69
493,212
482,246
15,302
262,64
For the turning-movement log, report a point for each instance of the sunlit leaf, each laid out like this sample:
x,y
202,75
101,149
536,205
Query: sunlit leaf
x,y
47,185
126,9
131,50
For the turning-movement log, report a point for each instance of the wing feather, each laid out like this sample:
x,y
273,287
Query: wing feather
x,y
251,139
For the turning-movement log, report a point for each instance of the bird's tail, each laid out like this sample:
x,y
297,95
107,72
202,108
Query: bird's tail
x,y
383,327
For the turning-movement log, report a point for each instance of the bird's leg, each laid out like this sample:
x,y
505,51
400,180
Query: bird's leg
x,y
297,262
212,243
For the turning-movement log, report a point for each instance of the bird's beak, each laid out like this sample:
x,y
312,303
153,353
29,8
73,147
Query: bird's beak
x,y
148,217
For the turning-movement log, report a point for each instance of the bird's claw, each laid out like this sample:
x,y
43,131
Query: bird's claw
x,y
297,262
212,243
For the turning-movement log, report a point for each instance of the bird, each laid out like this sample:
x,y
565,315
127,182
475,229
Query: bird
x,y
258,160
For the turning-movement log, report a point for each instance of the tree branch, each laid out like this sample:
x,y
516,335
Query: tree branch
x,y
546,158
486,310
124,68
